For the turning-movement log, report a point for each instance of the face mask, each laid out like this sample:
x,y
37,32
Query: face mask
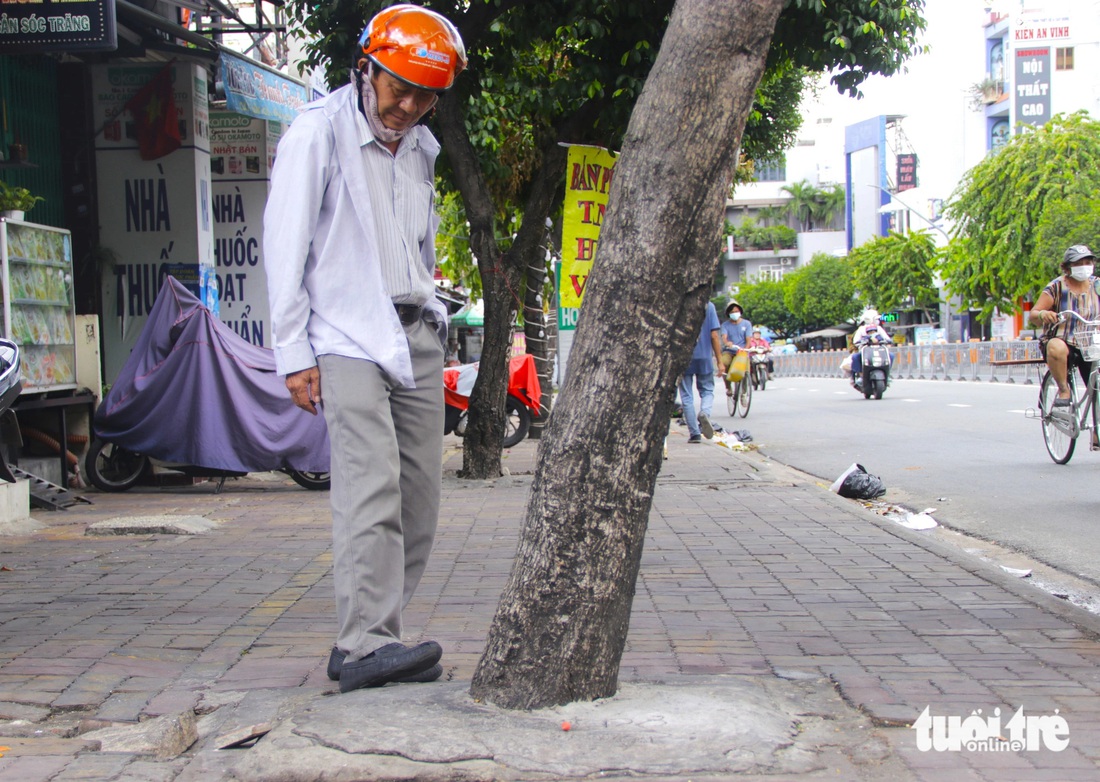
x,y
1080,273
737,315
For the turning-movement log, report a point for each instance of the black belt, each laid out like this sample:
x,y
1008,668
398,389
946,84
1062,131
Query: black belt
x,y
408,314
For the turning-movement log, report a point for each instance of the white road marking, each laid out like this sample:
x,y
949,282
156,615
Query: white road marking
x,y
959,405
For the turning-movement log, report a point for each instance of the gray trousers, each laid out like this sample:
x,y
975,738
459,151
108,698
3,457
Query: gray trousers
x,y
387,471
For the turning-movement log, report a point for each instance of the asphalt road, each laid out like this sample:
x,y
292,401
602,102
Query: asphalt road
x,y
965,449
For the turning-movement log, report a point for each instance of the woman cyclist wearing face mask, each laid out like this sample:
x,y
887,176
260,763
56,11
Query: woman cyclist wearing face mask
x,y
1078,290
734,336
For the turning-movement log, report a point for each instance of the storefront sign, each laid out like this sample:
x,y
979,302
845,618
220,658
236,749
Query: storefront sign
x,y
588,177
31,26
241,153
1033,85
253,90
907,171
156,216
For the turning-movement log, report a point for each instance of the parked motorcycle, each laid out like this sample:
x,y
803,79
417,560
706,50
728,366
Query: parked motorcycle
x,y
10,388
874,375
195,397
522,404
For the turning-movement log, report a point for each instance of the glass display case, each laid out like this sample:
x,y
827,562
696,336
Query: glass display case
x,y
37,268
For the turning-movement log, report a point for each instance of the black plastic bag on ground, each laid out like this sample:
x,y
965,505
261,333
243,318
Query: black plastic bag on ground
x,y
858,484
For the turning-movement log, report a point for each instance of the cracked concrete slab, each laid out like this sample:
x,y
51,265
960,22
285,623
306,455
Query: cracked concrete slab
x,y
713,726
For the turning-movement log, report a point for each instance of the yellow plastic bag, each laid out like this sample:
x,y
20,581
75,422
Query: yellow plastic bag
x,y
739,367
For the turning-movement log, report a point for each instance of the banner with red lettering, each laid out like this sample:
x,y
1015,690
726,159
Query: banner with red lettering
x,y
587,185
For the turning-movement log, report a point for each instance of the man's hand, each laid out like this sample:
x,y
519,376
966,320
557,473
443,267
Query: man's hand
x,y
305,389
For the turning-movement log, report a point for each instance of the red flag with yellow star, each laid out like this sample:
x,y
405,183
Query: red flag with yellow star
x,y
156,119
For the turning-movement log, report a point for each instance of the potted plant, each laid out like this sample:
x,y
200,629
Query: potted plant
x,y
15,200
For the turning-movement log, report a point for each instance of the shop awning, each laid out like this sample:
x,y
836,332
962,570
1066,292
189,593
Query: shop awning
x,y
473,315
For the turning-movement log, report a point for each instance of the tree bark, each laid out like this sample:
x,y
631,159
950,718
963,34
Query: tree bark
x,y
482,447
562,621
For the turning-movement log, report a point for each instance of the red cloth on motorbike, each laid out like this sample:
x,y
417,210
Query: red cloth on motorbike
x,y
194,392
523,382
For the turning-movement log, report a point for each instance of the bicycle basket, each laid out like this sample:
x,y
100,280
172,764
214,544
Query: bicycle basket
x,y
1088,342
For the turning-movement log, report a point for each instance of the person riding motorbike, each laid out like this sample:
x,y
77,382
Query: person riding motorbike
x,y
869,331
757,342
735,335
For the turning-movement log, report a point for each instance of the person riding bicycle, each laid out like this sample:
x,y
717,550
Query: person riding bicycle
x,y
758,343
735,335
870,331
1077,289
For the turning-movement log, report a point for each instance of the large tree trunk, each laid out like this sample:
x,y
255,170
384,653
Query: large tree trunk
x,y
562,622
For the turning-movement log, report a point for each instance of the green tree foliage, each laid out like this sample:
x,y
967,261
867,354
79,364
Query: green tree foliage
x,y
765,305
814,207
896,272
850,39
828,207
822,293
452,245
1074,219
1017,210
803,203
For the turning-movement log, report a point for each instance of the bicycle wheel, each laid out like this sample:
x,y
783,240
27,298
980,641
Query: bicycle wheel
x,y
731,401
744,396
1060,428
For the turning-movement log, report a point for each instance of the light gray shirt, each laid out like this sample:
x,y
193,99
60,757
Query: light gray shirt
x,y
402,201
322,244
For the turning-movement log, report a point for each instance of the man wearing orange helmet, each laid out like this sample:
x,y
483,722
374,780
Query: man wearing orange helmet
x,y
349,245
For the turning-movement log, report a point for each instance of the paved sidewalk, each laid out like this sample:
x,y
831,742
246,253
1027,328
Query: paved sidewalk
x,y
755,581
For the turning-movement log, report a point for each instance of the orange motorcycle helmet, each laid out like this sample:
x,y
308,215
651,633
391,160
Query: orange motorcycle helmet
x,y
416,45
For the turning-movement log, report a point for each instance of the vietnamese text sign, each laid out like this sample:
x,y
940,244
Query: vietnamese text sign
x,y
57,25
1033,85
587,184
241,149
257,92
907,171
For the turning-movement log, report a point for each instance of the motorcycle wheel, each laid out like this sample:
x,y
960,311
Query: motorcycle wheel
x,y
112,468
761,376
517,422
314,481
878,386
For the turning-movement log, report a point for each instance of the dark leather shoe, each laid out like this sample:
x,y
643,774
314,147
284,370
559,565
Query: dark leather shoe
x,y
388,664
336,661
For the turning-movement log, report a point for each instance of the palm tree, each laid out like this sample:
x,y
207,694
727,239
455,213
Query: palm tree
x,y
770,214
829,205
801,206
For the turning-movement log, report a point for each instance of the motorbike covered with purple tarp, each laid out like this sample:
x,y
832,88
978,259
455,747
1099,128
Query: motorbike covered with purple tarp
x,y
193,392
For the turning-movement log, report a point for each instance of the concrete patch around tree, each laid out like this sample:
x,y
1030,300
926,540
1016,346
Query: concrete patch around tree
x,y
710,726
